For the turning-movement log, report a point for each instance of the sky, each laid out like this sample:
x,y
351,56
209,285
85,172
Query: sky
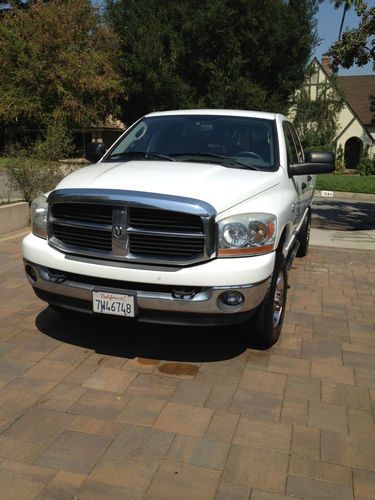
x,y
329,20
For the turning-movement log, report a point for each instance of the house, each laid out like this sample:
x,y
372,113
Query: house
x,y
356,120
105,132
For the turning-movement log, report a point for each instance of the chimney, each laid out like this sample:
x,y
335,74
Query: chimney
x,y
326,63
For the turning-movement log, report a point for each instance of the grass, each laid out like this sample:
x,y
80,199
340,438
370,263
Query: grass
x,y
347,183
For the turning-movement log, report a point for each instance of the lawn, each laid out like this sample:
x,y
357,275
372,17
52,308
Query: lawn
x,y
348,183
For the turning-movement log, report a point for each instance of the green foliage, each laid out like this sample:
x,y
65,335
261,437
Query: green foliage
x,y
367,166
33,176
211,53
316,119
36,169
346,5
56,65
356,46
340,164
56,145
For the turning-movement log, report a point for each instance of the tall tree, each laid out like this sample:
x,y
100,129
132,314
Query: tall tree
x,y
211,53
346,5
56,65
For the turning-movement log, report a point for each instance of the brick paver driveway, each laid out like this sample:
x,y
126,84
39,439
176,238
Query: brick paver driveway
x,y
104,409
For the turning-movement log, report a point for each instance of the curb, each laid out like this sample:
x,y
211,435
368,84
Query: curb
x,y
13,217
345,196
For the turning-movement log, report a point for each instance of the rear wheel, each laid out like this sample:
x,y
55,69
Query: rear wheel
x,y
304,236
264,329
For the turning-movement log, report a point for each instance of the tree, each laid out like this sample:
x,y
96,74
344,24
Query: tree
x,y
56,65
211,53
356,46
347,4
316,119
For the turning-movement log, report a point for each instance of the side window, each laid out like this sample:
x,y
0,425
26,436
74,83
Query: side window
x,y
300,154
290,146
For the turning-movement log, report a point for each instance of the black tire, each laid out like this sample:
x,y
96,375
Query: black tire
x,y
304,236
264,328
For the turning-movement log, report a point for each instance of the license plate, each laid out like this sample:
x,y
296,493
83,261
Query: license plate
x,y
117,304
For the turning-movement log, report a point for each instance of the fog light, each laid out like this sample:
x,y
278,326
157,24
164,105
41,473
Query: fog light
x,y
232,298
30,271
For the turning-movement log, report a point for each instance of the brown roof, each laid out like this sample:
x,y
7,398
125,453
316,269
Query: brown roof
x,y
360,94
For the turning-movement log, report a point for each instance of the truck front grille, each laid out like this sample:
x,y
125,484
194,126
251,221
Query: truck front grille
x,y
87,238
118,230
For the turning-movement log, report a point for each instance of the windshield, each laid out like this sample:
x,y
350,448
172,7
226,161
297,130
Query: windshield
x,y
233,141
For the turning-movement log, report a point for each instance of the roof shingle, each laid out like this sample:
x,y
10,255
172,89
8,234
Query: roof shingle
x,y
360,94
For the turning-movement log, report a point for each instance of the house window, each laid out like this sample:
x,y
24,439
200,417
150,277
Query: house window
x,y
314,78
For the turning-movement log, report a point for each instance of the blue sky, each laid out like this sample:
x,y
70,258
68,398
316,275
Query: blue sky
x,y
329,20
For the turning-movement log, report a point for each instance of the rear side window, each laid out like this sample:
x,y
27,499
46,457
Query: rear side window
x,y
291,150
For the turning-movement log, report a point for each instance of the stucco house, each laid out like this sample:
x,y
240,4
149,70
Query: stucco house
x,y
356,121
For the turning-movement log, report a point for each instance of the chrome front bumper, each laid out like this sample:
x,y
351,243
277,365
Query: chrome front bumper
x,y
74,291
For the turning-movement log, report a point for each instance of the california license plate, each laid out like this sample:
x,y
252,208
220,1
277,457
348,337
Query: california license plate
x,y
117,304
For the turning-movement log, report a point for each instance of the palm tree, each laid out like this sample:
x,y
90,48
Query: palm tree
x,y
347,5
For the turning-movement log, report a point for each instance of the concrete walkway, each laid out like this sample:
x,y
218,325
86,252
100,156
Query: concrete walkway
x,y
343,223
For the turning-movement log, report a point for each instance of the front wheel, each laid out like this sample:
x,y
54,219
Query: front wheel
x,y
264,329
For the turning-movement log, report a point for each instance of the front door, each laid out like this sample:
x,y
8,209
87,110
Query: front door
x,y
302,183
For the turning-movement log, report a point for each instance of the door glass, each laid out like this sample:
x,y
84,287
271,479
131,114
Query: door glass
x,y
297,143
290,146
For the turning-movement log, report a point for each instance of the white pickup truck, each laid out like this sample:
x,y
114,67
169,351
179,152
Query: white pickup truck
x,y
191,218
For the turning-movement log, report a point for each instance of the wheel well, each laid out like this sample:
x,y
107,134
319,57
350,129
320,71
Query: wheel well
x,y
282,239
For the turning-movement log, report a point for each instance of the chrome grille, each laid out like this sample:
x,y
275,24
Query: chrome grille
x,y
131,228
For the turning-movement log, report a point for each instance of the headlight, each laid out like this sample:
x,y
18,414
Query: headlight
x,y
246,234
39,211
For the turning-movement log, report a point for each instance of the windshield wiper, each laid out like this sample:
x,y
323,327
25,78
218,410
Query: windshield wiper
x,y
226,160
144,155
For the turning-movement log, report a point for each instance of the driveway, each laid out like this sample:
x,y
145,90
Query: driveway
x,y
105,409
343,223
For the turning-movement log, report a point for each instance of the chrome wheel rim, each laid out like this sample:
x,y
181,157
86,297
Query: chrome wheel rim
x,y
278,299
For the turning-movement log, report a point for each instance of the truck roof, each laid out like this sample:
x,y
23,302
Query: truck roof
x,y
223,112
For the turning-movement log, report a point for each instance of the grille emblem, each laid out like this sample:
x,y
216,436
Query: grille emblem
x,y
118,231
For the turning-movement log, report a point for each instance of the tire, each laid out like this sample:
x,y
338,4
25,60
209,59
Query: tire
x,y
304,236
264,328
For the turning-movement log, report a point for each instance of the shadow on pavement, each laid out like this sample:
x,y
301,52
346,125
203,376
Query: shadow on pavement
x,y
343,215
123,338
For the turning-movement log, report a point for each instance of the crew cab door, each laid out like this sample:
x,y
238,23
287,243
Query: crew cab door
x,y
303,183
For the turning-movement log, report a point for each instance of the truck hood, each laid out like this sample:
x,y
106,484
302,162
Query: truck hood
x,y
220,186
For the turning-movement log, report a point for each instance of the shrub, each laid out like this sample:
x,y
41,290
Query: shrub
x,y
367,166
340,165
33,176
35,168
56,145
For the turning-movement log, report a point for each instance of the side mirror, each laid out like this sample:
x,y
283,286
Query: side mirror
x,y
94,151
316,162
